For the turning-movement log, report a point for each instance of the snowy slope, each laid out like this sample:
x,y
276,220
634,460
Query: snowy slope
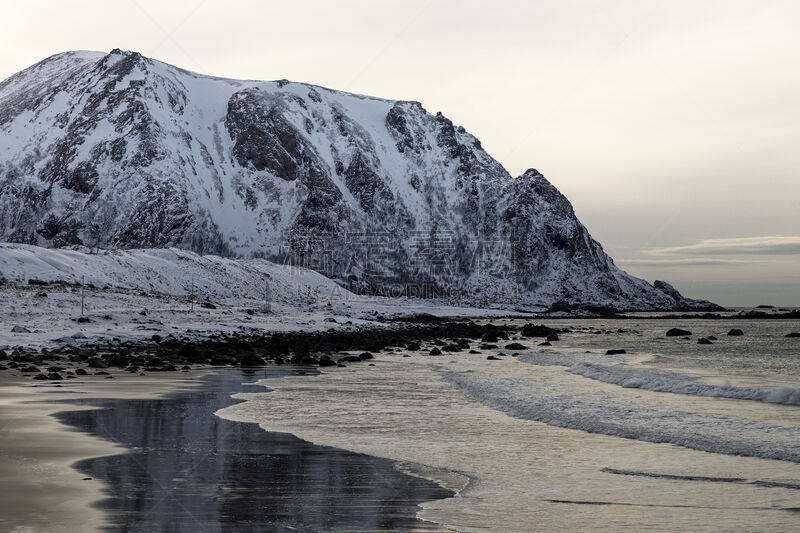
x,y
168,272
122,151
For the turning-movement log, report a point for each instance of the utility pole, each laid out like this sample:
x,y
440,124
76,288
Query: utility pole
x,y
267,303
83,293
191,296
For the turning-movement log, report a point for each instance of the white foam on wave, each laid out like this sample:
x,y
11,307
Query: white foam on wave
x,y
658,380
606,413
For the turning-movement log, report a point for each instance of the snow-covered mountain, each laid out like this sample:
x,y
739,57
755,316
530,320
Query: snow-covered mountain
x,y
121,151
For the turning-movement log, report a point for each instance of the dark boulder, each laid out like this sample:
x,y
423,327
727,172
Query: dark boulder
x,y
516,346
490,336
704,341
793,335
531,330
735,332
96,362
677,332
435,351
308,360
492,358
325,360
116,359
615,352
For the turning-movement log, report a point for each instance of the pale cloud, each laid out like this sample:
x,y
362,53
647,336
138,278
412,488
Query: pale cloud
x,y
686,261
766,245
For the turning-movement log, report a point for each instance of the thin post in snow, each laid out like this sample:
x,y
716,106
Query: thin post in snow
x,y
191,296
267,303
83,293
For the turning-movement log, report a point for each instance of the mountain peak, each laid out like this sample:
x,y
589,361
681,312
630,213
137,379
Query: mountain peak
x,y
120,151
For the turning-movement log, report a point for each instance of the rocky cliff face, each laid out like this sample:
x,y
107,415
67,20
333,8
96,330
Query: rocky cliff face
x,y
122,151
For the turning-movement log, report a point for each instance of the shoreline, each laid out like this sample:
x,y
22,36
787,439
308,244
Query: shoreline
x,y
525,471
162,476
21,399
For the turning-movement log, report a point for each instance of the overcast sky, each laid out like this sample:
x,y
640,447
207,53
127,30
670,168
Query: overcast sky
x,y
672,126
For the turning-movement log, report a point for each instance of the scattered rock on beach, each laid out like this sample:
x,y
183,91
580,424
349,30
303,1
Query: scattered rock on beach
x,y
677,332
325,360
516,346
490,336
435,351
20,329
492,358
793,334
96,362
531,330
704,341
615,351
735,332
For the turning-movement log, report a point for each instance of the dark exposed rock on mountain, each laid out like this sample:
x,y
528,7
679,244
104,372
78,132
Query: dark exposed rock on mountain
x,y
118,151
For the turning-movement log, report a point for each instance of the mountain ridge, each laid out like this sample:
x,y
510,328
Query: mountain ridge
x,y
121,151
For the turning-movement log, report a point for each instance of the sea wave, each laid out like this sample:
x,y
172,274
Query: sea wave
x,y
606,369
681,383
605,413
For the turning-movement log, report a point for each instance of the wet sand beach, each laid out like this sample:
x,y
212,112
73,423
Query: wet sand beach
x,y
161,461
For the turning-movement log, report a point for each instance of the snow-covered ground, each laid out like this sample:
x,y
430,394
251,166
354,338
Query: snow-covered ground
x,y
135,294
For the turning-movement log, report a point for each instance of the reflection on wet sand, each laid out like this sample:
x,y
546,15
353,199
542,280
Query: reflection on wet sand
x,y
189,470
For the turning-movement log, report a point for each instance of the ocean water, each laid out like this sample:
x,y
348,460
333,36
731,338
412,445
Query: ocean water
x,y
672,435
